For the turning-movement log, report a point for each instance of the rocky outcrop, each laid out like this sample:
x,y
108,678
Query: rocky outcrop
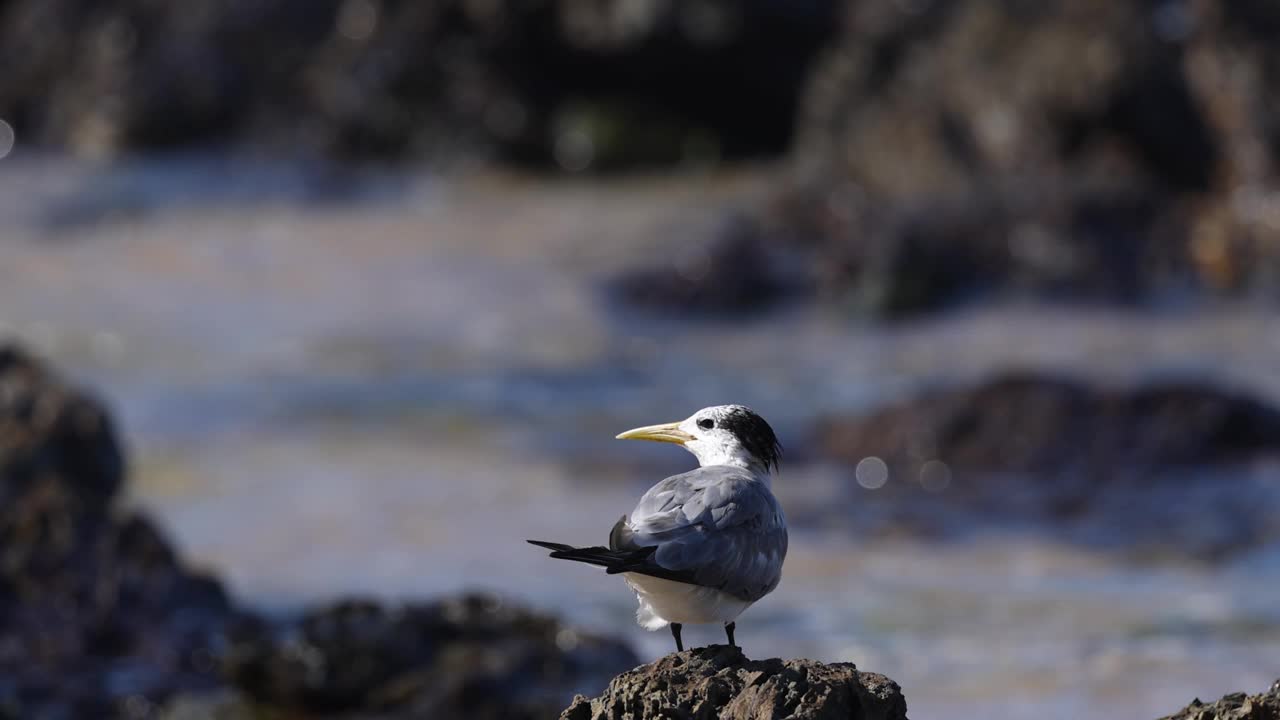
x,y
1106,467
579,85
953,152
1048,424
96,610
100,617
1085,149
1236,706
472,656
720,682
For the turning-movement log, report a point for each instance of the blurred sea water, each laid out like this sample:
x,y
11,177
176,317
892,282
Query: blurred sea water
x,y
382,383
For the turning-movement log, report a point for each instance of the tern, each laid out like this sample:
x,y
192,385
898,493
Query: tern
x,y
702,546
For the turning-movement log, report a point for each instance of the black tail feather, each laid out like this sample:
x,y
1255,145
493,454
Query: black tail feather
x,y
602,556
558,547
636,560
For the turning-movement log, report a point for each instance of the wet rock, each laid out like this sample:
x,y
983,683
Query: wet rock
x,y
958,152
720,682
473,656
100,617
220,705
1043,424
1110,467
96,611
1236,706
922,101
954,151
54,441
562,83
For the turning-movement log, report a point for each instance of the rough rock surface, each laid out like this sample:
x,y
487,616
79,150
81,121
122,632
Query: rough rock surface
x,y
96,611
957,151
1105,467
1236,706
1096,149
472,656
560,82
720,682
1043,424
100,618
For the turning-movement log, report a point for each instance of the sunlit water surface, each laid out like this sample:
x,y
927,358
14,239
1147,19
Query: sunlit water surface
x,y
383,383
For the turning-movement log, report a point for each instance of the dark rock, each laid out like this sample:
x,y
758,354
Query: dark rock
x,y
1115,468
1236,706
951,152
562,82
1045,424
958,150
54,441
720,682
95,608
473,656
99,616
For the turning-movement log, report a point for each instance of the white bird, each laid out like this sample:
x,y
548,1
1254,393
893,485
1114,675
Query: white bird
x,y
702,546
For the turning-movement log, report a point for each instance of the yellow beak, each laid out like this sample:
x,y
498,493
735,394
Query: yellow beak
x,y
670,433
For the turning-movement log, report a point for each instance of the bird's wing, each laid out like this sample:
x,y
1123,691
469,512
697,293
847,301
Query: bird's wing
x,y
716,526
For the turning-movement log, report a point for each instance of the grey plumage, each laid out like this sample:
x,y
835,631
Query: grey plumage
x,y
721,524
702,546
717,527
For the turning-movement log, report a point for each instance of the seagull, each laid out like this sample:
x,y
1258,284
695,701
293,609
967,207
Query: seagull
x,y
701,546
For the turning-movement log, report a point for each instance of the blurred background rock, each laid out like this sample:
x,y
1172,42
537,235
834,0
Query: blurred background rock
x,y
575,84
369,285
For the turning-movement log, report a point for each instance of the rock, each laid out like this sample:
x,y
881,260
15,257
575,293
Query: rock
x,y
100,617
558,83
720,682
923,101
220,705
1045,424
953,152
96,611
1236,706
54,441
473,656
1105,467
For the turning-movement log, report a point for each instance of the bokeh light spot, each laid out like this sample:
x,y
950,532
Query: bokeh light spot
x,y
574,150
935,476
567,640
872,473
7,139
357,19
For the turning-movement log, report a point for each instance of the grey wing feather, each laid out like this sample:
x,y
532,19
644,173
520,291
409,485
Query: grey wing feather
x,y
718,526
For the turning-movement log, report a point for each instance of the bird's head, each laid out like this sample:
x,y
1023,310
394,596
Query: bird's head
x,y
719,435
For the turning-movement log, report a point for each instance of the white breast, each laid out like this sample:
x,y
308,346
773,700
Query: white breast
x,y
665,601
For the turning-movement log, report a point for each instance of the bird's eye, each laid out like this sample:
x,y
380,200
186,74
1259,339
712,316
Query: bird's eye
x,y
706,423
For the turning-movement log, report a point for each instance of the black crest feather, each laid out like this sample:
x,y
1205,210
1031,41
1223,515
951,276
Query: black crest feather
x,y
754,433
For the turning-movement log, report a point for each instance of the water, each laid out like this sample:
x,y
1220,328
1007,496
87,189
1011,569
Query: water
x,y
382,384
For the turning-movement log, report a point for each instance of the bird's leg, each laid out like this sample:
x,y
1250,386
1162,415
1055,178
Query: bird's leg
x,y
728,630
675,633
